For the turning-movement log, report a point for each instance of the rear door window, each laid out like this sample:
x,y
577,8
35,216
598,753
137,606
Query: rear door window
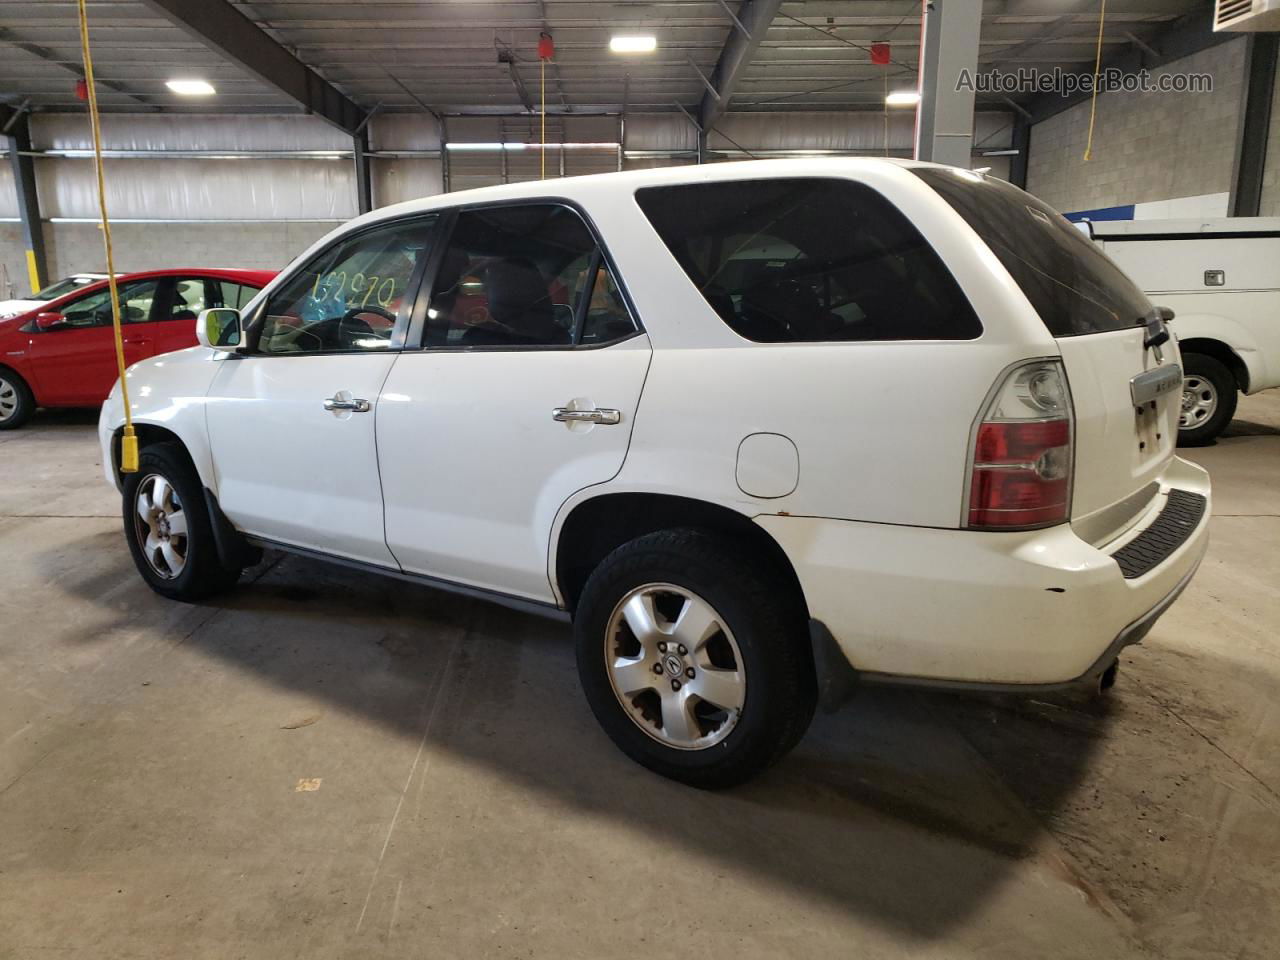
x,y
1073,286
526,275
803,260
190,297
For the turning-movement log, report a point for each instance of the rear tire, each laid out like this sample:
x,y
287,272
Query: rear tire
x,y
721,686
167,525
16,401
1208,399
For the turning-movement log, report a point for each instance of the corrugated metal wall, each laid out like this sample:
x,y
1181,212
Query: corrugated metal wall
x,y
202,182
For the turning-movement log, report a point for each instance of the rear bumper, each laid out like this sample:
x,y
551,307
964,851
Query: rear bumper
x,y
1019,611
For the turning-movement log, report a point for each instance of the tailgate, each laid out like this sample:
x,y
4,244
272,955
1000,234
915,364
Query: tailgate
x,y
1121,446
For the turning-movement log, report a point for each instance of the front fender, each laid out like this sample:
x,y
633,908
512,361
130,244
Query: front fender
x,y
168,393
1232,334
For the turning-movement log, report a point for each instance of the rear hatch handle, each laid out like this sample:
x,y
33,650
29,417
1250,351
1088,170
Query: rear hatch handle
x,y
1157,332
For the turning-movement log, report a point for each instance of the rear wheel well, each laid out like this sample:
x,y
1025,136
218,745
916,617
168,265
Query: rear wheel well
x,y
1223,354
597,527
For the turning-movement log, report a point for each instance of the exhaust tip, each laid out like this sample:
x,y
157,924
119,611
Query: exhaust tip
x,y
1108,678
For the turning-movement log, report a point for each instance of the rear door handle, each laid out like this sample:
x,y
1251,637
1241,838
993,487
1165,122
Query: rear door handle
x,y
355,405
599,415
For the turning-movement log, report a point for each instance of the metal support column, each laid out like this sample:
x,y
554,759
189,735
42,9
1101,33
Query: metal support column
x,y
1254,125
444,153
1021,143
364,173
24,180
944,119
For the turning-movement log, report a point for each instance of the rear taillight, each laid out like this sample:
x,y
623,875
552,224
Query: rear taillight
x,y
1022,452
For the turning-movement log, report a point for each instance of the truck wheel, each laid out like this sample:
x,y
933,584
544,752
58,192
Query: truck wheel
x,y
1208,399
16,402
167,525
693,659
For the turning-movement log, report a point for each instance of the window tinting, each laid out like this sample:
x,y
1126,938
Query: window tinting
x,y
605,317
523,276
189,298
1072,284
95,309
237,295
62,288
350,297
809,260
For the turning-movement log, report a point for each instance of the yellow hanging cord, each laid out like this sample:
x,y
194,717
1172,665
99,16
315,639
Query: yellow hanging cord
x,y
1097,67
129,442
542,81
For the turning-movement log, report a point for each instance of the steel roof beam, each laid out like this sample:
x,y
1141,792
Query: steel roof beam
x,y
1180,38
224,29
77,71
740,47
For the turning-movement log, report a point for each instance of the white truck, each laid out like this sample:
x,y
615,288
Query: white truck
x,y
1221,278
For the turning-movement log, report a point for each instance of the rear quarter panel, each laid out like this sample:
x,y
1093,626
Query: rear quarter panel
x,y
882,428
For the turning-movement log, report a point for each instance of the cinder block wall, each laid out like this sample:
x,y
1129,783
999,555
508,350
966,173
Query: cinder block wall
x,y
13,259
1146,146
150,246
75,247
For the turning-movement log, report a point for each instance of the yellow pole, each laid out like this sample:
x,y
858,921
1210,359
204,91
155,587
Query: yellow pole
x,y
1097,66
129,442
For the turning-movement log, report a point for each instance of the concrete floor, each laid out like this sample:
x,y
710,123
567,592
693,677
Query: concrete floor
x,y
332,765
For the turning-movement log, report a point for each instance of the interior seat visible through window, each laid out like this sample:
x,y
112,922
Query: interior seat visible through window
x,y
809,260
526,275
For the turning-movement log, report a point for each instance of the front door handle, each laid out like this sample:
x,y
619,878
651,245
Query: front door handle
x,y
355,404
599,415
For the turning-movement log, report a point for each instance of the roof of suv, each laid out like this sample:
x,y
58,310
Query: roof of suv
x,y
571,187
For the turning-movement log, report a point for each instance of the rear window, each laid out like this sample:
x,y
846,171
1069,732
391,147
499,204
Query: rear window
x,y
1072,284
809,260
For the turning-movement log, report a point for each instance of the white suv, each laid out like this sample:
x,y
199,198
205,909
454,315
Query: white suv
x,y
754,428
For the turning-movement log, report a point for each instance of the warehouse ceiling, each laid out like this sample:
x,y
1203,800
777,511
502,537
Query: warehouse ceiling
x,y
461,57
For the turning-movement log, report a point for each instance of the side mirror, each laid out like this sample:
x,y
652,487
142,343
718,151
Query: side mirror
x,y
50,321
219,329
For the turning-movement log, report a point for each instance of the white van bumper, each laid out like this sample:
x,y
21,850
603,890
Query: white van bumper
x,y
994,610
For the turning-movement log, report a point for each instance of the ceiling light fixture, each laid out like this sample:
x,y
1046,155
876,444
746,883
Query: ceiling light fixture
x,y
902,98
191,88
633,44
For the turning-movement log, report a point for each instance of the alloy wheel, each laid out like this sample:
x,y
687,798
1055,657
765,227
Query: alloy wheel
x,y
675,667
161,526
1199,402
8,399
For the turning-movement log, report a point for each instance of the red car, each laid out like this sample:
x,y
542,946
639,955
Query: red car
x,y
62,354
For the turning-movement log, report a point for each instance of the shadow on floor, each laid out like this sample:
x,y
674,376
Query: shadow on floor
x,y
1247,428
55,417
885,809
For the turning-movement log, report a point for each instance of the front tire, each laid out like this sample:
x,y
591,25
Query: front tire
x,y
167,525
695,661
16,402
1208,399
